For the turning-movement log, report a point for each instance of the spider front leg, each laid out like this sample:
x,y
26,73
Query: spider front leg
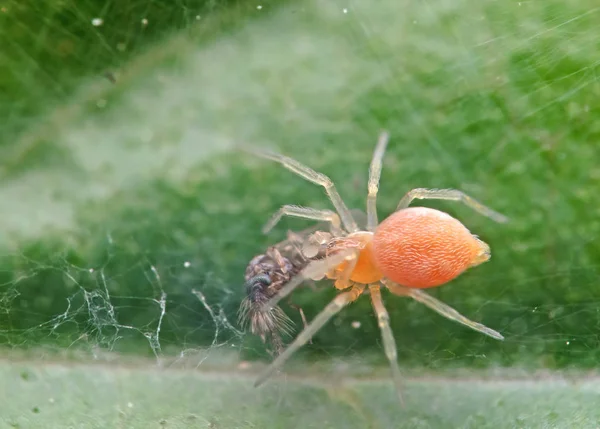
x,y
439,307
334,307
374,176
318,179
452,195
387,336
306,213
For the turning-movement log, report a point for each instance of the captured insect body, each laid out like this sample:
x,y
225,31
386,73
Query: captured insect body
x,y
265,275
413,249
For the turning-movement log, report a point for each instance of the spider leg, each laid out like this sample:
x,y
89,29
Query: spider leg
x,y
452,195
374,176
389,344
441,308
318,179
306,213
314,270
334,307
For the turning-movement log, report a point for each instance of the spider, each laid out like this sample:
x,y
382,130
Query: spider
x,y
412,249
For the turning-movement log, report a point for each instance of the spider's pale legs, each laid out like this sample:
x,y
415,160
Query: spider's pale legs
x,y
439,307
383,318
326,215
374,176
318,179
452,195
306,213
316,268
387,336
334,307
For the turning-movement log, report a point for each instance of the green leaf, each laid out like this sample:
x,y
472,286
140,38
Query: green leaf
x,y
61,395
132,191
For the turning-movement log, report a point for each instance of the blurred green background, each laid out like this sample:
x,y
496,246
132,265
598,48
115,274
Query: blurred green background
x,y
122,194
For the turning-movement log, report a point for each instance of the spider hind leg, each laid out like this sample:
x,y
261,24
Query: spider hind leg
x,y
387,336
450,195
440,308
334,307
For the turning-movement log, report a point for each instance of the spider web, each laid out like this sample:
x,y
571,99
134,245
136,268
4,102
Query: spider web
x,y
89,316
126,229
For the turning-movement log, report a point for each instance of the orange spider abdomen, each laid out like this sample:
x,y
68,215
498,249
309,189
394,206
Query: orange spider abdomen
x,y
421,247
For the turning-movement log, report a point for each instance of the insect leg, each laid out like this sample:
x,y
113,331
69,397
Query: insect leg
x,y
452,195
374,176
334,307
441,308
299,310
387,336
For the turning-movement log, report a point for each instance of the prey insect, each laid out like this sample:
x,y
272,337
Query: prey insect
x,y
412,249
267,273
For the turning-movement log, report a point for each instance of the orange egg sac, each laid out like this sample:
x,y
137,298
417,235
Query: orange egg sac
x,y
421,247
